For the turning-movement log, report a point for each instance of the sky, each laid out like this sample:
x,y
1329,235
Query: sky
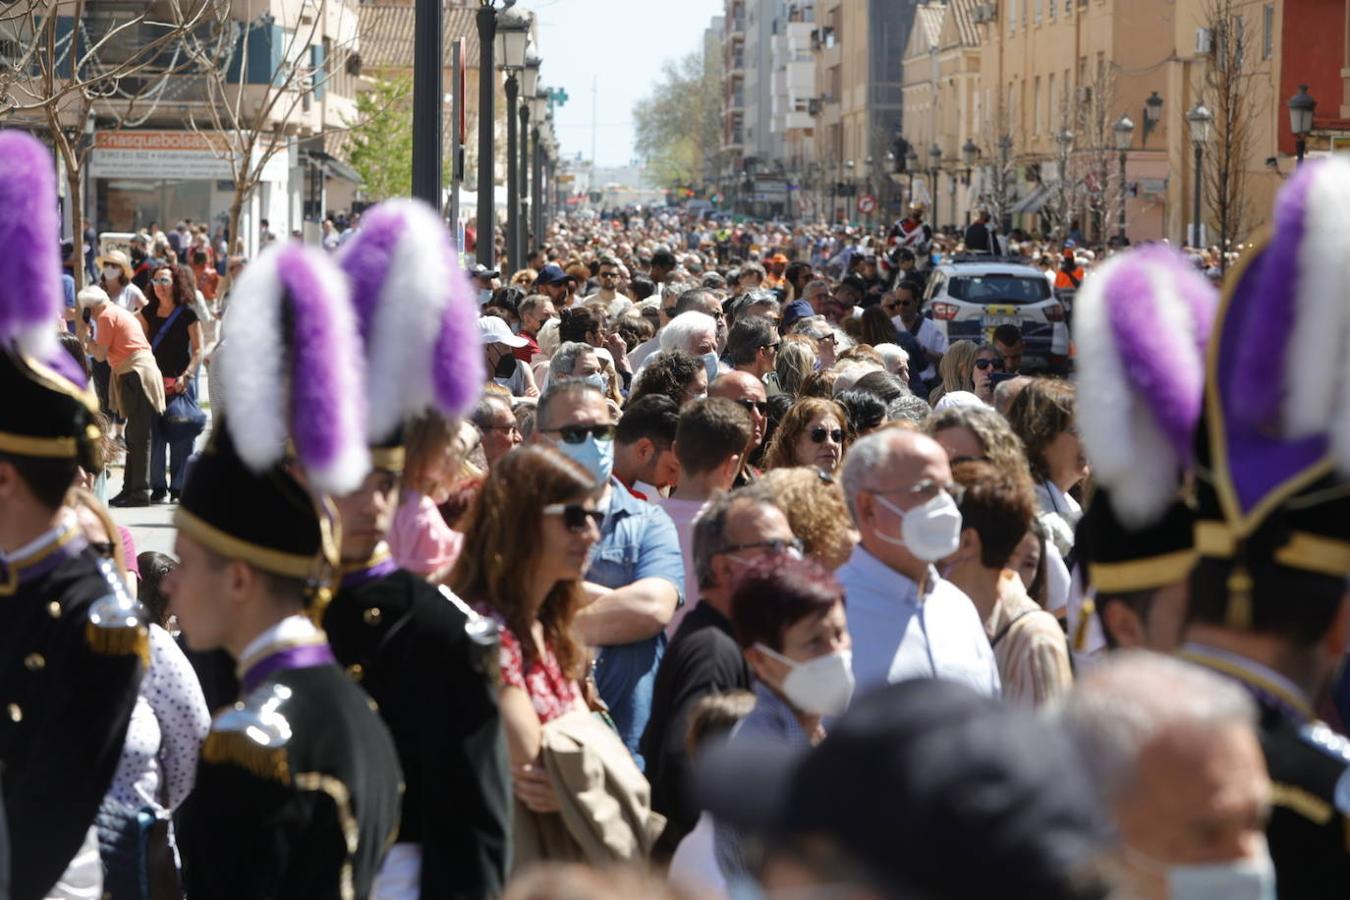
x,y
618,47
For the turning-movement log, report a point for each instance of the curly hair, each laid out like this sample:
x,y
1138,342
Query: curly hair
x,y
795,362
957,370
782,450
1045,409
501,549
668,373
184,284
813,503
1001,444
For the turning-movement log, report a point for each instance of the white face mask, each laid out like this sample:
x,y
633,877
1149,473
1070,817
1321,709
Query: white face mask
x,y
819,687
112,273
1251,878
710,366
931,531
597,381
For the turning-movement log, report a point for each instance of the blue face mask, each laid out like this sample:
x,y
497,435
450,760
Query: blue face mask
x,y
597,381
1240,879
596,456
484,295
710,365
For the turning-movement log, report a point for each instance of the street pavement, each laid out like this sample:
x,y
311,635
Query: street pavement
x,y
151,527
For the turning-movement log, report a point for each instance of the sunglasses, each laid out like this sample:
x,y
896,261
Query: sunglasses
x,y
773,346
608,275
894,305
163,281
576,434
575,516
995,364
818,435
759,406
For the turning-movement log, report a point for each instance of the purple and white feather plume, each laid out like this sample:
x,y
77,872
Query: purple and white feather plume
x,y
1304,320
1141,323
291,368
31,301
416,314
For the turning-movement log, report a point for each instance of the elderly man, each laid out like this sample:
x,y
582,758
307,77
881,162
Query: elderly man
x,y
636,575
696,333
1176,756
667,306
816,293
497,426
703,658
906,621
574,359
535,311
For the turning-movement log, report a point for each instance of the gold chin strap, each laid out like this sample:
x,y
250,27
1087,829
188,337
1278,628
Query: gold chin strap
x,y
83,497
328,563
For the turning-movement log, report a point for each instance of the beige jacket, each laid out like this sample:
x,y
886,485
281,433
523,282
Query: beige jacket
x,y
143,364
606,814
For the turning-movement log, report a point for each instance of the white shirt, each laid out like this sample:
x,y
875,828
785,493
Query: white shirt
x,y
637,357
930,338
694,867
899,635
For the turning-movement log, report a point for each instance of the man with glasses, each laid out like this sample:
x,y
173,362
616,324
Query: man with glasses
x,y
748,392
636,574
907,319
703,658
752,346
907,621
497,426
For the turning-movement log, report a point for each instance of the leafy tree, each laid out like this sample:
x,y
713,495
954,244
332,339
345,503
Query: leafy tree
x,y
382,141
679,124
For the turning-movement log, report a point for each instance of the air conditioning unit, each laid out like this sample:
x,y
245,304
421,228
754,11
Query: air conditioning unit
x,y
1204,41
813,106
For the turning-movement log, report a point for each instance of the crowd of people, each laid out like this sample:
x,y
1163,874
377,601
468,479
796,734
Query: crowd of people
x,y
678,563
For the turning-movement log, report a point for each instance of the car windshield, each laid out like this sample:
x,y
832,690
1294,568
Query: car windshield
x,y
999,288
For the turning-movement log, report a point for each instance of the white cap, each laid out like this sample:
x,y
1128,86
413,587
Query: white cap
x,y
494,330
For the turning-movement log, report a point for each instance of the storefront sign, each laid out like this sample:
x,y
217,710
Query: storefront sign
x,y
170,156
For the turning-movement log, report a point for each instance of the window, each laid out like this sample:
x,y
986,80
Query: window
x,y
1038,9
1012,16
1267,30
1052,106
1036,105
997,287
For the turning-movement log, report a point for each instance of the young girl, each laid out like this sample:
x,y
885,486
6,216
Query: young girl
x,y
419,538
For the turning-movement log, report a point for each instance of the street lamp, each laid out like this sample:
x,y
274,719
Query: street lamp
x,y
513,34
1005,147
969,153
1124,132
529,84
911,166
539,114
1301,107
428,62
935,165
487,91
1152,115
1199,119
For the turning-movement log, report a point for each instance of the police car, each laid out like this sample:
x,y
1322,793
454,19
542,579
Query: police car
x,y
967,297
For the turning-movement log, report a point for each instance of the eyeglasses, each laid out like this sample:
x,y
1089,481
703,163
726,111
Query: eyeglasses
x,y
608,275
777,546
774,346
575,516
576,434
995,364
896,304
819,434
165,280
925,490
759,406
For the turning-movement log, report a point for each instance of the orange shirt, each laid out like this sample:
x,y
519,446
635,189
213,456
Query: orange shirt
x,y
118,332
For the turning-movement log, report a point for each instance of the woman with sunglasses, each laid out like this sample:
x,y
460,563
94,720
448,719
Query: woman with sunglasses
x,y
814,432
524,555
175,333
987,362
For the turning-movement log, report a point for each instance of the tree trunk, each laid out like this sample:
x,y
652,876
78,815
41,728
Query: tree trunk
x,y
73,185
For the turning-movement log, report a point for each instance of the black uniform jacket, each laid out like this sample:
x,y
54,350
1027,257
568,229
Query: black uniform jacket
x,y
430,664
297,793
72,649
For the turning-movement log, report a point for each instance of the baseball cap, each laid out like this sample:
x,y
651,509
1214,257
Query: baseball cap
x,y
551,274
932,788
481,271
795,312
494,330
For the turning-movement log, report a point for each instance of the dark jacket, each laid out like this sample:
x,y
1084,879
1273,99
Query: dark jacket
x,y
429,664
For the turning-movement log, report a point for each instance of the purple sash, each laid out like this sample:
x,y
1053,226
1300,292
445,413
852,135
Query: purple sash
x,y
47,564
303,657
375,572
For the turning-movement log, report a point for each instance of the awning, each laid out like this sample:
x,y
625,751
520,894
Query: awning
x,y
336,167
1032,202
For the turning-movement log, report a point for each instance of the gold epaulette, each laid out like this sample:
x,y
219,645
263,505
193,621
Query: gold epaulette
x,y
117,624
253,735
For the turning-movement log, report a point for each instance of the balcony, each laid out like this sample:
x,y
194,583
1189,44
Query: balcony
x,y
735,100
736,25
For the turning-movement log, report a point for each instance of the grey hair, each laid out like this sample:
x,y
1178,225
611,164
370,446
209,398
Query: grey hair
x,y
682,331
490,403
892,355
867,455
710,529
564,361
566,387
672,290
1132,697
909,408
548,337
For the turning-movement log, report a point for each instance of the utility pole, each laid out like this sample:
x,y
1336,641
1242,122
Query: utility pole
x,y
487,83
428,57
